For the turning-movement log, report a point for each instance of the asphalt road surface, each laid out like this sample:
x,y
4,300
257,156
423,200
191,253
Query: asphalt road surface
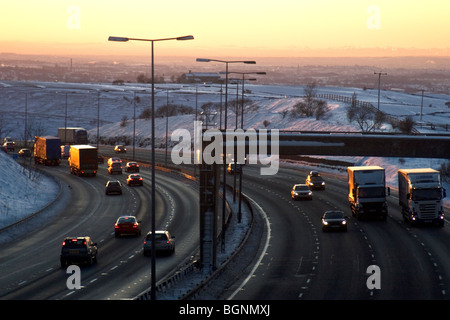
x,y
30,264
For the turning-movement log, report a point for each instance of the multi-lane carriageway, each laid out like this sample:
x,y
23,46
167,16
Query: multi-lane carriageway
x,y
294,259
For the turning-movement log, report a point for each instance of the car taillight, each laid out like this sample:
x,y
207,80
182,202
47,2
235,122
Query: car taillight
x,y
64,243
116,226
134,225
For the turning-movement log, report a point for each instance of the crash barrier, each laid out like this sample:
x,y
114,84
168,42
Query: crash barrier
x,y
193,266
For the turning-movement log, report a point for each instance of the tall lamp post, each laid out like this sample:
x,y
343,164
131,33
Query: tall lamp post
x,y
379,84
125,39
225,128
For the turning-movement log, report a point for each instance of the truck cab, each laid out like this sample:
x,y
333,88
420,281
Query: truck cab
x,y
367,191
420,196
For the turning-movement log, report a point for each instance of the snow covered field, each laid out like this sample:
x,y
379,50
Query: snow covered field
x,y
47,106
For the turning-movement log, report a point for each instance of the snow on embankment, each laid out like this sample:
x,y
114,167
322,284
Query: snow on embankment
x,y
22,191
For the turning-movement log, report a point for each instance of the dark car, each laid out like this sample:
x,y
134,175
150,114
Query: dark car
x,y
315,181
26,153
334,220
163,242
132,166
234,167
115,167
113,186
120,149
78,250
135,179
9,145
127,225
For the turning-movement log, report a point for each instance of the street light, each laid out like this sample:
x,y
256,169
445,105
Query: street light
x,y
125,39
225,128
379,82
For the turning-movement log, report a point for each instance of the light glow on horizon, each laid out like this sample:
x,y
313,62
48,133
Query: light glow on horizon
x,y
263,28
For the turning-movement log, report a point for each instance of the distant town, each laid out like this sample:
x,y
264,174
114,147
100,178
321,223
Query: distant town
x,y
409,74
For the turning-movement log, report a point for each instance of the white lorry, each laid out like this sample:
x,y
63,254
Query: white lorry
x,y
367,191
420,195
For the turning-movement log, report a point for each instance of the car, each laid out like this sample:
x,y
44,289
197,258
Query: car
x,y
120,149
334,220
234,167
135,179
301,191
114,159
315,181
9,145
65,151
78,250
132,166
113,186
164,241
127,225
7,139
24,152
115,167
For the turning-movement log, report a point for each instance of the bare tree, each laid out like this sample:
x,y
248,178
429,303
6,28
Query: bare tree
x,y
406,125
366,118
310,106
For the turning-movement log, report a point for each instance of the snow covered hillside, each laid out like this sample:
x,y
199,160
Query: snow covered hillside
x,y
22,191
48,106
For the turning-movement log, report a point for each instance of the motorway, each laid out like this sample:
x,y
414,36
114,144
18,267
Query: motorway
x,y
295,259
30,264
300,261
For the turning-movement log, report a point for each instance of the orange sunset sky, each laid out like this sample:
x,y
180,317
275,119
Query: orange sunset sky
x,y
255,28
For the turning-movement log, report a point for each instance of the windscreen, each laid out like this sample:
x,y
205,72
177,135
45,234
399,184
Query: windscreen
x,y
372,192
426,194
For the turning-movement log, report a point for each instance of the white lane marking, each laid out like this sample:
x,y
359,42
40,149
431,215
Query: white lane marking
x,y
266,245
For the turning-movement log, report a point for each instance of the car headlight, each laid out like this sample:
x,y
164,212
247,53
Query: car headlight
x,y
344,222
325,223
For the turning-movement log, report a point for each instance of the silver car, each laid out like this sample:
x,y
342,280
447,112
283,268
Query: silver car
x,y
301,191
164,241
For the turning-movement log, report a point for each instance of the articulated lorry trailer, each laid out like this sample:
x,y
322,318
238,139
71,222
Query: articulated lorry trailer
x,y
420,195
47,150
367,191
73,135
83,160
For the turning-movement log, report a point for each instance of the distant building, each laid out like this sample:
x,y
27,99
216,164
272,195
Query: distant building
x,y
198,77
